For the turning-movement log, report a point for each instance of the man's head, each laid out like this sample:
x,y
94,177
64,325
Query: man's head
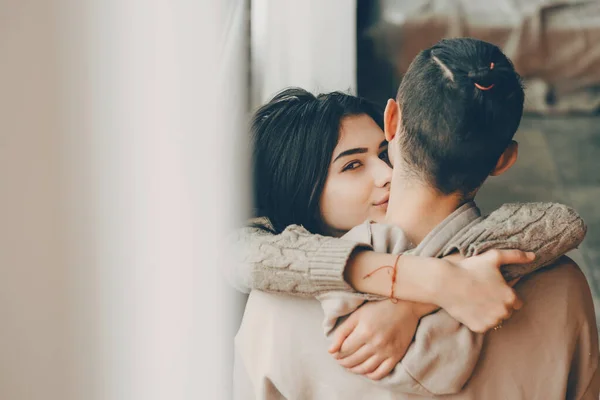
x,y
458,108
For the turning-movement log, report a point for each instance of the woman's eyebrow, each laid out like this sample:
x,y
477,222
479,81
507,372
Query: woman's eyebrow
x,y
357,150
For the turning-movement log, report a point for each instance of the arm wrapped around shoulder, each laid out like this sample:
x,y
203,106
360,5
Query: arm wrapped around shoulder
x,y
294,262
548,229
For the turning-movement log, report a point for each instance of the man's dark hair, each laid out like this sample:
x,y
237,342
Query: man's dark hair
x,y
461,102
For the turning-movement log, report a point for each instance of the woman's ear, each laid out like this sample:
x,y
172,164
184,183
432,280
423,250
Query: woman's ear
x,y
507,159
391,119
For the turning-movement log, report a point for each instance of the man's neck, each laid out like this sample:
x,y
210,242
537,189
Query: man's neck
x,y
417,208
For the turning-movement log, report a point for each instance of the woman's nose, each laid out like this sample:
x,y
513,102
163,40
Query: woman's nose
x,y
383,174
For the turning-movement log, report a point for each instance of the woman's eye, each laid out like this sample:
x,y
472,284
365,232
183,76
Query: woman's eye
x,y
351,166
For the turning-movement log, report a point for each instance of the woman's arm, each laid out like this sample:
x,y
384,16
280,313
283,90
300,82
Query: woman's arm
x,y
293,262
299,263
472,290
440,359
547,229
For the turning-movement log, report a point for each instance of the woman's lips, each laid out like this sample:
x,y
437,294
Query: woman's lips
x,y
383,201
383,206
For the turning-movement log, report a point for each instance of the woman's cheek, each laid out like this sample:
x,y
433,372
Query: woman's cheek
x,y
341,213
357,202
333,205
346,201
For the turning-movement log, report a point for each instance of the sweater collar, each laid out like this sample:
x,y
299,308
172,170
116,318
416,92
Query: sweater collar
x,y
460,220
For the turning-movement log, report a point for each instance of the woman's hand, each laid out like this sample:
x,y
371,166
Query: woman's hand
x,y
475,292
375,337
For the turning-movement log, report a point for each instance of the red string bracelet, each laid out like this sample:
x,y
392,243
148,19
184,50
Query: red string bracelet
x,y
394,271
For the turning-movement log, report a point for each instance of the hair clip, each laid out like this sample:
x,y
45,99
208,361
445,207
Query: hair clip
x,y
478,86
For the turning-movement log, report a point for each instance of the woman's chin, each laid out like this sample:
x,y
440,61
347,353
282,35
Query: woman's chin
x,y
379,212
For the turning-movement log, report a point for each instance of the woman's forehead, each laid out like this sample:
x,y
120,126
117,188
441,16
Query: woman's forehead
x,y
360,131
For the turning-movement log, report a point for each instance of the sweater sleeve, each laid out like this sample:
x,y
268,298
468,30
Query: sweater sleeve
x,y
548,229
293,262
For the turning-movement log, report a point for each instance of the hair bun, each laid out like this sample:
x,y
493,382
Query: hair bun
x,y
483,77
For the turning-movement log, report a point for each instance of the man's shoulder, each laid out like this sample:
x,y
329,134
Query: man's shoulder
x,y
564,265
563,274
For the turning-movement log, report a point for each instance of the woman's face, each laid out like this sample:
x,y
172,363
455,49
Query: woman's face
x,y
358,182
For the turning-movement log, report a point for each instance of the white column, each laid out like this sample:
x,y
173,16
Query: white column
x,y
309,43
120,144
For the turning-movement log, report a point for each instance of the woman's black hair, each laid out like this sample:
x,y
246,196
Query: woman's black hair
x,y
461,102
293,138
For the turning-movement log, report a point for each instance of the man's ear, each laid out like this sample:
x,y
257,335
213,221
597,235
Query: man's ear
x,y
391,119
507,159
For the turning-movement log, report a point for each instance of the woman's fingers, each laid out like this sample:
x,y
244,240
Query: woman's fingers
x,y
368,366
506,257
483,297
351,344
518,303
383,370
359,357
341,333
511,300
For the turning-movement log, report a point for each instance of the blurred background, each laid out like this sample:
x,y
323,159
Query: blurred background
x,y
123,141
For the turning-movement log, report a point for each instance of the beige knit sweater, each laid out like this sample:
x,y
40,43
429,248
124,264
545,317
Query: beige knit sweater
x,y
299,263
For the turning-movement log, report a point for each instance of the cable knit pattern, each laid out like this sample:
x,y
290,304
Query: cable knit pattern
x,y
547,229
293,262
